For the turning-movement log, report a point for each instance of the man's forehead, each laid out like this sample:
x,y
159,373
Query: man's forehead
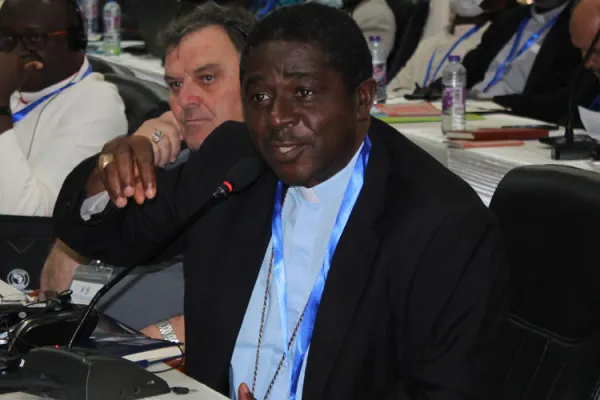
x,y
288,50
34,13
288,58
210,45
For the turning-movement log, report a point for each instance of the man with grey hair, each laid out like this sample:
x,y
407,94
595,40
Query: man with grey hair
x,y
202,73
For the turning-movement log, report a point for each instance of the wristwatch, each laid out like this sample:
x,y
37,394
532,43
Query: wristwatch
x,y
5,111
167,331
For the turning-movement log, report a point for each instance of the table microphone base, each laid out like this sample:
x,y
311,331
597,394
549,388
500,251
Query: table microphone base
x,y
580,148
87,375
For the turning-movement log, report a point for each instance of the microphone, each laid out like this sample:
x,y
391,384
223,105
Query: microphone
x,y
571,146
94,376
239,177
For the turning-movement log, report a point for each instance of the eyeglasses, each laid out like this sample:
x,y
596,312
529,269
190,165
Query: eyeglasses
x,y
31,41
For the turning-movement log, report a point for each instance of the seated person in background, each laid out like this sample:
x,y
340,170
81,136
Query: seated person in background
x,y
260,8
470,20
53,111
202,72
406,300
585,24
374,18
525,61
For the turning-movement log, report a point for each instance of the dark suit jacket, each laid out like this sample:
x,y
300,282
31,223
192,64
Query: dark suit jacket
x,y
414,298
546,91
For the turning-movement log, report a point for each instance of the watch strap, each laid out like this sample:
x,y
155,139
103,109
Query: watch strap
x,y
166,330
6,111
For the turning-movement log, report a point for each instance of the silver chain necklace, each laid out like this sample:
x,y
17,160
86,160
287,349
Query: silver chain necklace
x,y
261,332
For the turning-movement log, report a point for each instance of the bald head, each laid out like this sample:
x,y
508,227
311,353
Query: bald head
x,y
585,23
50,13
36,30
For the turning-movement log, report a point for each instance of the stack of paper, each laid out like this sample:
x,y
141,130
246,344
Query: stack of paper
x,y
412,113
10,295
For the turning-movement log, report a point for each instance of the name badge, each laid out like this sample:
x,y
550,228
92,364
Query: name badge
x,y
87,280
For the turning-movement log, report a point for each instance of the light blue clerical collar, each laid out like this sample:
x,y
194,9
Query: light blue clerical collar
x,y
332,188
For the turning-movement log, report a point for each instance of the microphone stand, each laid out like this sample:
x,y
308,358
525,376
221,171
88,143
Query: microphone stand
x,y
220,193
88,375
572,146
92,376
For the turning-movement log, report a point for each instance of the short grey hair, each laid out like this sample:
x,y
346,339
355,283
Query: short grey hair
x,y
236,21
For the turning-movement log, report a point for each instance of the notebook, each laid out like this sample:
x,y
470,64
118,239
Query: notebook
x,y
407,110
488,134
412,113
476,144
136,348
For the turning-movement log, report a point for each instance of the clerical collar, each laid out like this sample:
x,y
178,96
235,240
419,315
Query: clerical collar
x,y
28,97
332,188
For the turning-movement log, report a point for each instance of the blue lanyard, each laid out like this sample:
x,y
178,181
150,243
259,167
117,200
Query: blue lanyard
x,y
514,54
595,104
19,115
305,331
268,6
448,53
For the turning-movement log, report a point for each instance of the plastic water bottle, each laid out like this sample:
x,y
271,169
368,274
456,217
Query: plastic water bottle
x,y
379,56
112,28
454,96
89,9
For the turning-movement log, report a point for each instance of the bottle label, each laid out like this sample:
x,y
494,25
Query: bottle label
x,y
453,96
112,23
379,74
90,9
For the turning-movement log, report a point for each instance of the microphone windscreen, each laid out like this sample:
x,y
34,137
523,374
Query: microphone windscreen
x,y
243,173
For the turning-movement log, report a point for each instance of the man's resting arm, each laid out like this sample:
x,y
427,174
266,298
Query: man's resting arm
x,y
136,234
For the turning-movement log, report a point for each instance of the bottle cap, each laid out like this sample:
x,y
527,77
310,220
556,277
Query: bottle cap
x,y
374,38
454,58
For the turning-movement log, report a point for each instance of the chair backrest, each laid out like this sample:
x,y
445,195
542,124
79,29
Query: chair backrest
x,y
411,17
152,17
104,67
25,243
550,217
140,98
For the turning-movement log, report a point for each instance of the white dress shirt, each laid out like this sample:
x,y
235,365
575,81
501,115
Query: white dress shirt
x,y
515,78
416,68
43,148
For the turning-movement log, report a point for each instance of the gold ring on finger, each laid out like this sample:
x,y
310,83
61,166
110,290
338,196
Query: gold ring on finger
x,y
105,159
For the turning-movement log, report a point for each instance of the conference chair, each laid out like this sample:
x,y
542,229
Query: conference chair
x,y
25,243
141,98
551,344
411,17
104,67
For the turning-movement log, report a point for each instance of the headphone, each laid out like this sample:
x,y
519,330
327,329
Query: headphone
x,y
76,35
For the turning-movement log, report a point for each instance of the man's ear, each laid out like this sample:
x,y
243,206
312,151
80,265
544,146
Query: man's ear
x,y
365,96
